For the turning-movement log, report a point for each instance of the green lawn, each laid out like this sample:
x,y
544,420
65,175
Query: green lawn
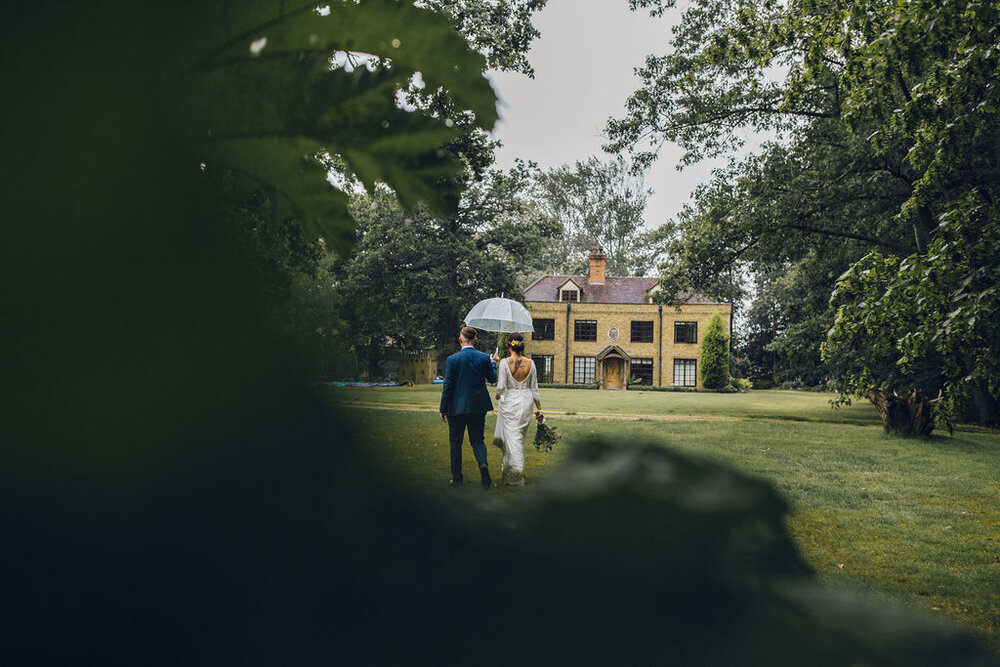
x,y
784,405
916,521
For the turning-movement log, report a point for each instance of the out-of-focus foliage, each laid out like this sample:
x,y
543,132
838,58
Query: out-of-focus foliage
x,y
266,102
502,31
888,142
315,297
292,271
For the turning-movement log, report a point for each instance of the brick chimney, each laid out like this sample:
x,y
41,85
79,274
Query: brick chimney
x,y
597,263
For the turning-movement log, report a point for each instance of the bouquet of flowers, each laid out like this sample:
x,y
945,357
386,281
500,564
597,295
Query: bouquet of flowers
x,y
545,435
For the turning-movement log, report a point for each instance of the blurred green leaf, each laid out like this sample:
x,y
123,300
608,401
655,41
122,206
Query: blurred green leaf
x,y
267,101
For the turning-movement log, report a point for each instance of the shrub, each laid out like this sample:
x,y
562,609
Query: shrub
x,y
646,387
797,384
715,355
741,384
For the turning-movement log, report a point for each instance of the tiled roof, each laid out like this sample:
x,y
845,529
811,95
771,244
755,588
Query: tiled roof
x,y
614,290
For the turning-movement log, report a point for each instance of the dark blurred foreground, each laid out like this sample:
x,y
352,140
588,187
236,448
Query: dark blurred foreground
x,y
170,494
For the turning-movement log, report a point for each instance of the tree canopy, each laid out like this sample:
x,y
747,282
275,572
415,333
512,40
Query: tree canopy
x,y
598,204
886,155
413,275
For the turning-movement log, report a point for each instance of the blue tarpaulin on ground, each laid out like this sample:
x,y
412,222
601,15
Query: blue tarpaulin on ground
x,y
367,384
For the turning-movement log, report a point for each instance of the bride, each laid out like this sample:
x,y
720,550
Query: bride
x,y
517,390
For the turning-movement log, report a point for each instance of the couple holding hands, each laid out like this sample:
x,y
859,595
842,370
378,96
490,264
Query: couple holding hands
x,y
465,400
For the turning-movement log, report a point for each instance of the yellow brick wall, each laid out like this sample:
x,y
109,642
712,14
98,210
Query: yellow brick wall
x,y
620,316
418,367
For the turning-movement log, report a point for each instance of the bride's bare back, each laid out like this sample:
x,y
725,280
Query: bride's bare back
x,y
519,368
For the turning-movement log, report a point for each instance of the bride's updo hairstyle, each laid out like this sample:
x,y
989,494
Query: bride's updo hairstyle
x,y
515,342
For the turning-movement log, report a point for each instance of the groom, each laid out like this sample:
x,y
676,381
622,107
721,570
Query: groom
x,y
465,402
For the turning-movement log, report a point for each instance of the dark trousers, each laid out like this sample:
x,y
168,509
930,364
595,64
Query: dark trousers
x,y
457,425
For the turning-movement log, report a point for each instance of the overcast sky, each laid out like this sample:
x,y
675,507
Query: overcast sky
x,y
584,63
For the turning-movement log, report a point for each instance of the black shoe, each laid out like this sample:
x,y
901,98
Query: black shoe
x,y
487,480
456,482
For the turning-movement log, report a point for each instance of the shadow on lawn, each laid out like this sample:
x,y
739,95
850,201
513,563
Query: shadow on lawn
x,y
960,443
834,418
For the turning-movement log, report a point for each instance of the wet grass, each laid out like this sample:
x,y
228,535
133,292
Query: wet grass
x,y
915,521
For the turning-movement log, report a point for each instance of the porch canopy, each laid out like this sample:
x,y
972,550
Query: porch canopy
x,y
613,351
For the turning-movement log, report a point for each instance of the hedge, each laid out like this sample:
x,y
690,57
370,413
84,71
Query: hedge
x,y
643,387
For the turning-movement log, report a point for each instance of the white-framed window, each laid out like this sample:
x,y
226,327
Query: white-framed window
x,y
584,370
685,372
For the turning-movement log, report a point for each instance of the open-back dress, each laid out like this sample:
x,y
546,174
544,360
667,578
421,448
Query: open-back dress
x,y
515,409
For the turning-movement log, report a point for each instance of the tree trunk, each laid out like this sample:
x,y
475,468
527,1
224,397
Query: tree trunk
x,y
774,353
986,408
909,414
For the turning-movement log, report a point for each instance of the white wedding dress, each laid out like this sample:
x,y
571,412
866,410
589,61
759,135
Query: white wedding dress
x,y
515,409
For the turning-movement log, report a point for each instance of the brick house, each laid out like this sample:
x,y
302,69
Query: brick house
x,y
597,328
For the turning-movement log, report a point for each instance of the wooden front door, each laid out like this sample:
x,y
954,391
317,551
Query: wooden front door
x,y
613,373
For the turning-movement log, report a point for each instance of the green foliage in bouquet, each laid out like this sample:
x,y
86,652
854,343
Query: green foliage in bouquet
x,y
545,436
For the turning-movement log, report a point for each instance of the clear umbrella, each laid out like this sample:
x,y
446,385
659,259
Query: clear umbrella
x,y
501,315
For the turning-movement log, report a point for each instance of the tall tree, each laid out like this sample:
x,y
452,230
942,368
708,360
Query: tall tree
x,y
788,315
413,275
599,204
715,354
892,110
791,219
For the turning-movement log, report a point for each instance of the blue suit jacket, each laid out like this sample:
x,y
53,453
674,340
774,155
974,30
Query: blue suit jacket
x,y
465,378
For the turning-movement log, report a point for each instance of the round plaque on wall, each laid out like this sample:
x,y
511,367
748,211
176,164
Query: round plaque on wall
x,y
613,333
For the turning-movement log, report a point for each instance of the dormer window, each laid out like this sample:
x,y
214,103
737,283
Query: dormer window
x,y
570,291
